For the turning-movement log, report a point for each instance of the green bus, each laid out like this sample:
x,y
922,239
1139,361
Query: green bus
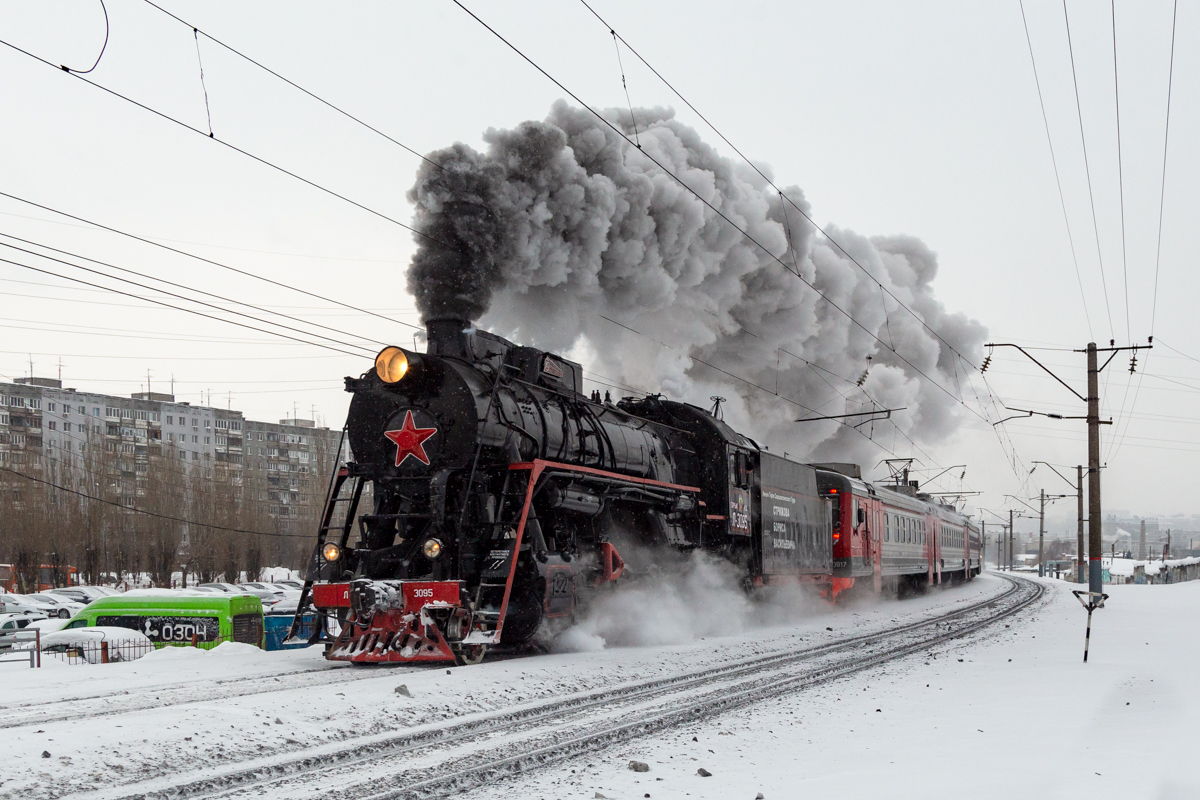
x,y
179,618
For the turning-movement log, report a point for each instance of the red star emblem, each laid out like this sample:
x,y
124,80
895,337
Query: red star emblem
x,y
408,440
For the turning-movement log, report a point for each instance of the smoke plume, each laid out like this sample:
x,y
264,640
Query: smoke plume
x,y
563,232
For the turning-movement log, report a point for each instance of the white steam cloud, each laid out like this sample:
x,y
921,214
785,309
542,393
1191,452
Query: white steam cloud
x,y
702,597
562,223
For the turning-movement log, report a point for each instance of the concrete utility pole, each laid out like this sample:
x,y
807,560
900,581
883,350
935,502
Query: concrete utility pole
x,y
1079,542
1142,542
1042,534
1095,523
1095,540
1010,540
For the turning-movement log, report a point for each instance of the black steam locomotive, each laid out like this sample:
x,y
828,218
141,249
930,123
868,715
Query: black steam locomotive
x,y
503,498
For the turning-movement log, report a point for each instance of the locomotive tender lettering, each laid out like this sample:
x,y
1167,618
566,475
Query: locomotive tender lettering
x,y
783,544
782,512
422,592
781,527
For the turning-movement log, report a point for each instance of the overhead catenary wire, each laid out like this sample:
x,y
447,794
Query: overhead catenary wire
x,y
193,289
1057,180
205,260
1115,448
1087,168
230,145
295,85
200,62
103,46
177,308
1120,170
749,162
785,200
177,296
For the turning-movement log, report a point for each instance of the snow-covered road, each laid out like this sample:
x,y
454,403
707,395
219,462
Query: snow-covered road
x,y
193,719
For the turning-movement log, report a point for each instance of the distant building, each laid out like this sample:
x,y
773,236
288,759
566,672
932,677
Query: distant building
x,y
47,430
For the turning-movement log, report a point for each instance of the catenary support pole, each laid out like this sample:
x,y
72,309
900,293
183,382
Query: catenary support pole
x,y
1042,535
1010,540
1095,545
1079,551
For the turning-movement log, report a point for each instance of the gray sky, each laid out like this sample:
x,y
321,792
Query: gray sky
x,y
917,118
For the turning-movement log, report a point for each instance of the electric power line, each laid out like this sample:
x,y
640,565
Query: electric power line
x,y
1087,168
188,288
227,144
761,174
1057,180
185,253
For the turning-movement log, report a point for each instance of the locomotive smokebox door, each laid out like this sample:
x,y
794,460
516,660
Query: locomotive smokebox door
x,y
415,440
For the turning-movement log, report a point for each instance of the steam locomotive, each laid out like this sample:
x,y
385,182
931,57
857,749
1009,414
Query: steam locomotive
x,y
502,499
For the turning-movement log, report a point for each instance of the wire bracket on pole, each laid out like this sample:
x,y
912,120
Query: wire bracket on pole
x,y
1095,600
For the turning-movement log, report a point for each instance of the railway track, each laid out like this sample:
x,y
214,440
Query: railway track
x,y
451,757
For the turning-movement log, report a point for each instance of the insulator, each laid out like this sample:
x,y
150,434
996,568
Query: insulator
x,y
986,363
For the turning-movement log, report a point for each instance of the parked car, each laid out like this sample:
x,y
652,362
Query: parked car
x,y
55,605
63,603
84,594
266,591
25,604
292,585
15,622
227,588
88,643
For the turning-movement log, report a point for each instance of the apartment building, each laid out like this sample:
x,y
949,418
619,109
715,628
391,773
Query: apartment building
x,y
66,434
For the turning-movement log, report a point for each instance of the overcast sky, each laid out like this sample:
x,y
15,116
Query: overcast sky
x,y
918,118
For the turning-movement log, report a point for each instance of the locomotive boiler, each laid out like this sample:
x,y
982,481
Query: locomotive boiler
x,y
503,498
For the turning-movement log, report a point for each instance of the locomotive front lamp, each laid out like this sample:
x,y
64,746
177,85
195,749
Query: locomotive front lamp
x,y
432,549
391,364
331,552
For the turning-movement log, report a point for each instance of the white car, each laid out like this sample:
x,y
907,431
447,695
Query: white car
x,y
25,604
123,644
16,622
55,605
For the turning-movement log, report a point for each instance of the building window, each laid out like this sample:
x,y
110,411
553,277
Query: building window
x,y
170,420
208,423
52,425
50,407
206,440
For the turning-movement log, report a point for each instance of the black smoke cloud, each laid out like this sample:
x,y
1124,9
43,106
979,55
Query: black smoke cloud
x,y
562,223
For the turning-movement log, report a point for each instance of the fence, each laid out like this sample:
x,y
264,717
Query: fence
x,y
17,643
115,652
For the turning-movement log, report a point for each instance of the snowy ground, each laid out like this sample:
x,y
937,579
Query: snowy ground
x,y
1043,724
1013,714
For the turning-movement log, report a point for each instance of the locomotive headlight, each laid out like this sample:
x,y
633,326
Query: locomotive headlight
x,y
331,552
391,364
432,548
